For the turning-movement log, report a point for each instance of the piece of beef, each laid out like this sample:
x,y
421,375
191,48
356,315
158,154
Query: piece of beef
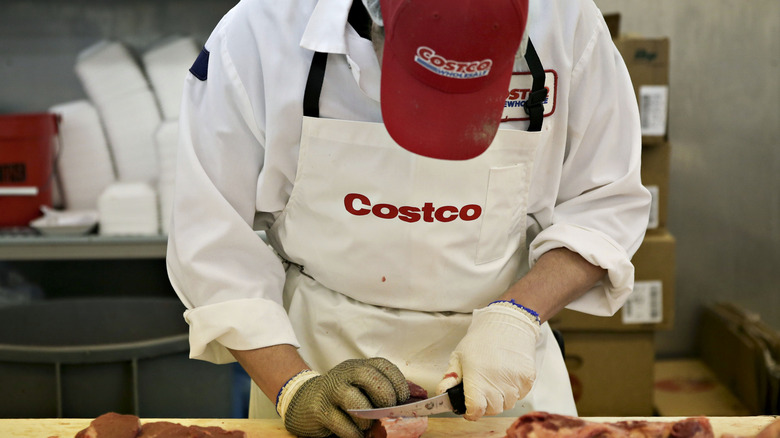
x,y
112,425
416,392
166,429
770,431
402,427
695,427
543,424
214,432
646,429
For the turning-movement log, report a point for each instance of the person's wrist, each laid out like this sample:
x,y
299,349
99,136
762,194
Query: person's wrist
x,y
288,390
512,304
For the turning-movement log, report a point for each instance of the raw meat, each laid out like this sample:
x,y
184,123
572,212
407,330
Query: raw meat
x,y
695,427
214,431
403,427
543,424
416,392
771,431
166,429
112,425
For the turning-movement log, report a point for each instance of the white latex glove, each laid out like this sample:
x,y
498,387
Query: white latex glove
x,y
495,360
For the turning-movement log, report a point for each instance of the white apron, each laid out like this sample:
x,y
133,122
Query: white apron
x,y
390,252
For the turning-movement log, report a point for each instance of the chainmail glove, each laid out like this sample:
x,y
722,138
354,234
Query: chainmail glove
x,y
313,405
495,360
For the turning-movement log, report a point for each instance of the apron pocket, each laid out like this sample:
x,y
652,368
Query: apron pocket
x,y
506,203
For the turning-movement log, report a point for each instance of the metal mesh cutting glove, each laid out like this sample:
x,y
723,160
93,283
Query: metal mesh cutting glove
x,y
495,360
314,405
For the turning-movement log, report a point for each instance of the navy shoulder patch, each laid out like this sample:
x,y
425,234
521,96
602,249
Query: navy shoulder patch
x,y
200,68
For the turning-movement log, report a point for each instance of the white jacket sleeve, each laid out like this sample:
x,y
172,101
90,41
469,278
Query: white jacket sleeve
x,y
602,209
229,279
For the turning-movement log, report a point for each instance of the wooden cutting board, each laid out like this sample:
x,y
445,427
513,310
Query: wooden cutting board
x,y
437,427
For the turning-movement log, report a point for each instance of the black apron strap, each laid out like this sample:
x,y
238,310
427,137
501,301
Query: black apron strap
x,y
360,20
534,105
311,95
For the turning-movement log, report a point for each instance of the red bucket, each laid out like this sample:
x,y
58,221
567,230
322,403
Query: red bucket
x,y
27,143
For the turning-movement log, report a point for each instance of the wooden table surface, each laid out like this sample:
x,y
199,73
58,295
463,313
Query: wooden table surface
x,y
493,427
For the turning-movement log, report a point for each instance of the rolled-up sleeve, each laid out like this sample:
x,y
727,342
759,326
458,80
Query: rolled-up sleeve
x,y
230,281
601,209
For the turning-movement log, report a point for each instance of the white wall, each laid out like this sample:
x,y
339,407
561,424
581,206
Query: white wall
x,y
724,130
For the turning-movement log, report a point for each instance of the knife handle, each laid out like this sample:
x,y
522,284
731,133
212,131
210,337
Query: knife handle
x,y
457,399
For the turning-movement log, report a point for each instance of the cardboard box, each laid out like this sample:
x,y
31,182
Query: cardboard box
x,y
655,177
688,388
744,353
647,60
611,373
651,305
613,24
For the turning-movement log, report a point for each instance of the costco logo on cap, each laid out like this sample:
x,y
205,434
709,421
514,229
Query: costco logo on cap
x,y
442,66
446,66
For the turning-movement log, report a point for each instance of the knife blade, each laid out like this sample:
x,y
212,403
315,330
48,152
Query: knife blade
x,y
451,401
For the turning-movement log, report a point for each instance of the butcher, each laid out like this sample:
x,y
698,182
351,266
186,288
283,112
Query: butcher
x,y
376,191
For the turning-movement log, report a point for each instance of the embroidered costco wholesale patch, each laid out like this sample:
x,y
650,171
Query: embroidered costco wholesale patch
x,y
520,87
200,68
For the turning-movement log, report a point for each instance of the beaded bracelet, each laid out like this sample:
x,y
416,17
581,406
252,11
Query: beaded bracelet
x,y
522,308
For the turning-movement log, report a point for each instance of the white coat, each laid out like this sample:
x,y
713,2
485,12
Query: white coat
x,y
240,133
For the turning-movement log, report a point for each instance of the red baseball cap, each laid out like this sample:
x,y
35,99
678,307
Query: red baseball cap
x,y
446,67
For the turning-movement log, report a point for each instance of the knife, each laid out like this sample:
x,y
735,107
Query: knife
x,y
451,401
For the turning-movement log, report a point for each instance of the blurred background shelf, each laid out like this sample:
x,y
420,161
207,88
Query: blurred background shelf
x,y
82,247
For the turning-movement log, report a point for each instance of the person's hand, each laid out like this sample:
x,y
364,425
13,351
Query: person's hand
x,y
495,360
314,405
